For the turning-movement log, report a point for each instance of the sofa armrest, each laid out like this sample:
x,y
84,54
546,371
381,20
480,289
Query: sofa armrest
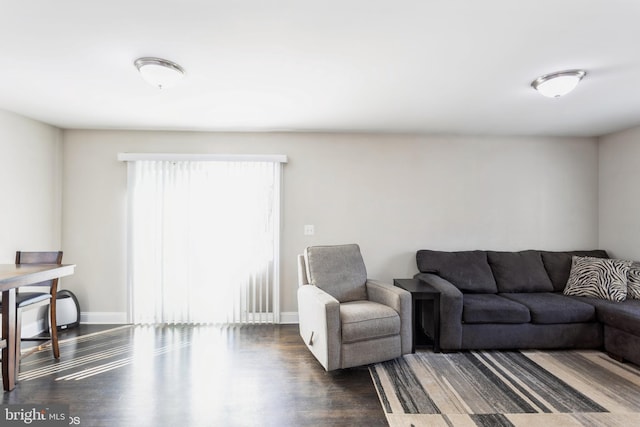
x,y
400,301
319,321
450,311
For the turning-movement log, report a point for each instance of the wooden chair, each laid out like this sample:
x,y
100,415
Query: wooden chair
x,y
33,300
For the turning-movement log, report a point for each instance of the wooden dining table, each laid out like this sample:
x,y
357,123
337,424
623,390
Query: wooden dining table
x,y
13,276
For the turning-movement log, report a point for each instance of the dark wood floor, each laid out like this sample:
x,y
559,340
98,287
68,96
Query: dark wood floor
x,y
202,376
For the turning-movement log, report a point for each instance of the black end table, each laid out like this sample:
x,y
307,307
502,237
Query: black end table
x,y
425,304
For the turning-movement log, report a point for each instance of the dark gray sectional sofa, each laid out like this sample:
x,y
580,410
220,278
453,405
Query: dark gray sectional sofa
x,y
514,300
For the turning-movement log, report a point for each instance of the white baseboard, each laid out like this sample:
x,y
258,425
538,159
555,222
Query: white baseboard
x,y
36,323
289,317
117,318
34,328
103,317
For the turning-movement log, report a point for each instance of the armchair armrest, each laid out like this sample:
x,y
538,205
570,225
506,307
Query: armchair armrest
x,y
319,319
400,301
302,271
450,311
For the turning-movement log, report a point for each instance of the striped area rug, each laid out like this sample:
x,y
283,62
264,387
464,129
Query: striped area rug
x,y
510,388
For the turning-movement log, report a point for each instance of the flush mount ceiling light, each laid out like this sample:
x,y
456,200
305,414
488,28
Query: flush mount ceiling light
x,y
158,72
555,85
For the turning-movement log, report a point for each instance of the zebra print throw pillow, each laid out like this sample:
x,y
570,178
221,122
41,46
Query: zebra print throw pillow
x,y
598,277
633,281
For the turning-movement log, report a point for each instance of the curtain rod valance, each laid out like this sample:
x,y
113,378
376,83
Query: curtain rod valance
x,y
176,157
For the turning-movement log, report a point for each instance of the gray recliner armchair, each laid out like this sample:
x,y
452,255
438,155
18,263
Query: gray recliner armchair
x,y
346,319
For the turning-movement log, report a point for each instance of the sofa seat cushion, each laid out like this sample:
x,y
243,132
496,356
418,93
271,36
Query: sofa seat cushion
x,y
364,320
490,308
467,270
549,308
623,315
558,265
519,271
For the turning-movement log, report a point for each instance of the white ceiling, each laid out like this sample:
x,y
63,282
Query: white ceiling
x,y
425,66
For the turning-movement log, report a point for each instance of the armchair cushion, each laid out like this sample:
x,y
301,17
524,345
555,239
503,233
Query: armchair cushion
x,y
337,270
364,320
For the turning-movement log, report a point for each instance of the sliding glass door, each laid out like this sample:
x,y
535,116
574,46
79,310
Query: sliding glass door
x,y
203,241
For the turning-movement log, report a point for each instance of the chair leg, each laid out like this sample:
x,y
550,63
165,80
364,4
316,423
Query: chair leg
x,y
53,328
18,340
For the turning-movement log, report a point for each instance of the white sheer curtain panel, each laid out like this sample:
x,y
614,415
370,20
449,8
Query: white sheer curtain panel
x,y
203,241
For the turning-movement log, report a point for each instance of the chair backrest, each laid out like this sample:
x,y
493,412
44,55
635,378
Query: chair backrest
x,y
338,270
52,257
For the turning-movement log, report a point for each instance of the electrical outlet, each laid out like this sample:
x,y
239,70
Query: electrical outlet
x,y
309,230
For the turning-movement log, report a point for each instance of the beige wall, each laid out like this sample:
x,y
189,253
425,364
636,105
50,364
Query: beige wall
x,y
619,156
30,186
30,194
391,194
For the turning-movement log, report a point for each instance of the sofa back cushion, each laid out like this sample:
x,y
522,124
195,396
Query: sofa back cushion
x,y
519,271
558,265
467,270
337,270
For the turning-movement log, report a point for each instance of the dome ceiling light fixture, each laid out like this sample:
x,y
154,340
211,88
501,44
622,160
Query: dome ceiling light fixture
x,y
555,85
158,72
